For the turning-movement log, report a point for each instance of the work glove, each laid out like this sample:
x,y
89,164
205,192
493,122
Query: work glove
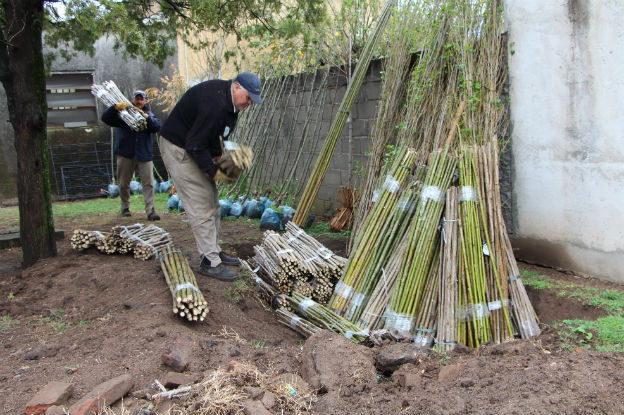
x,y
220,176
143,113
120,106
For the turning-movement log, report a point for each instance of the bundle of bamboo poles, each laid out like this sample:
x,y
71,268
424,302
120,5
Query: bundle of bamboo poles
x,y
335,131
188,301
265,289
374,233
294,261
109,95
143,242
409,287
325,318
296,323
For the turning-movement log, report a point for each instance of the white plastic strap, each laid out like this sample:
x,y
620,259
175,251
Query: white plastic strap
x,y
99,234
473,312
270,235
258,280
304,305
343,290
391,184
375,196
256,270
486,250
404,323
467,194
359,299
183,286
294,321
328,255
284,251
349,334
432,192
498,304
403,203
311,259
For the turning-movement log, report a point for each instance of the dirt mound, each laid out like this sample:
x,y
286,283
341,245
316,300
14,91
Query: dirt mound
x,y
85,318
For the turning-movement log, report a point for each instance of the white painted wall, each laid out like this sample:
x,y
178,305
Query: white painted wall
x,y
566,68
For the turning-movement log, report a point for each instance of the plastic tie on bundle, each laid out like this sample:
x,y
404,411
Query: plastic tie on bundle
x,y
514,277
305,304
486,250
433,193
328,255
284,251
424,337
359,299
310,259
404,323
403,203
270,235
375,196
349,333
409,169
343,290
498,304
256,270
294,321
183,286
391,184
468,194
99,234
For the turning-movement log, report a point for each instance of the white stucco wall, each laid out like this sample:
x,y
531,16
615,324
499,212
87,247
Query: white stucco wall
x,y
566,68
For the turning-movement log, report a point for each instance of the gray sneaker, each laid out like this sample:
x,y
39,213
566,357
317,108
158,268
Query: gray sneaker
x,y
228,260
220,272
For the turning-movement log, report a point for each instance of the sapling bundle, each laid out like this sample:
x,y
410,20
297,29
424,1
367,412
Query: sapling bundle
x,y
265,289
523,312
371,236
325,318
83,239
109,95
188,301
423,235
372,316
426,316
335,131
388,240
296,323
447,316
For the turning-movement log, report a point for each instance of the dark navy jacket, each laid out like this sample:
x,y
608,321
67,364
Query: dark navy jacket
x,y
203,114
129,143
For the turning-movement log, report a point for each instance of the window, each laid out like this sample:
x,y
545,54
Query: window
x,y
70,102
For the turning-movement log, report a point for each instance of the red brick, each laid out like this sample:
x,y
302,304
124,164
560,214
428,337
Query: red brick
x,y
54,393
105,393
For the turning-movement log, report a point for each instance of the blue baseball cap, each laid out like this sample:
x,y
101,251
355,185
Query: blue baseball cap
x,y
252,84
139,92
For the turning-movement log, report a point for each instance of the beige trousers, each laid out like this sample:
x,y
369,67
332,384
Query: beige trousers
x,y
199,197
125,171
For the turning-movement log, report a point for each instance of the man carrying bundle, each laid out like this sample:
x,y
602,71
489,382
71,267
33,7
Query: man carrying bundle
x,y
134,151
191,147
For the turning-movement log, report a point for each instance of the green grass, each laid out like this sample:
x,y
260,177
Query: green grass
x,y
604,334
321,229
7,323
611,301
258,344
89,207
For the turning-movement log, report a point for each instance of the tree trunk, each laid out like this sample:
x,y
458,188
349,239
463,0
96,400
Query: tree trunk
x,y
22,72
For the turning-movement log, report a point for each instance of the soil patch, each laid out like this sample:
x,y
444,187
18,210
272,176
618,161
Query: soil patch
x,y
86,317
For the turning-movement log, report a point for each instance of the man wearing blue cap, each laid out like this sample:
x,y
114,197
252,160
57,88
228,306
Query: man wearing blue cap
x,y
134,151
190,144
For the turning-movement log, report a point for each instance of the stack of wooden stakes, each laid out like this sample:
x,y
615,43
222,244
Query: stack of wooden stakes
x,y
294,261
143,241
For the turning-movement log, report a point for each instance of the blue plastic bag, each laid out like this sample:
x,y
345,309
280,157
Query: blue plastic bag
x,y
271,220
173,202
113,190
268,203
287,213
255,209
163,187
226,205
180,207
135,188
156,186
246,204
236,210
